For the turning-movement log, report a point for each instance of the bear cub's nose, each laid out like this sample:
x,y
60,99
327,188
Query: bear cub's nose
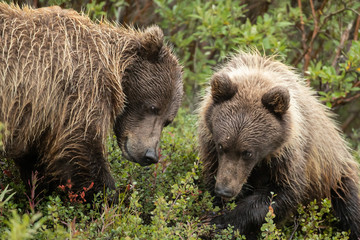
x,y
223,192
150,156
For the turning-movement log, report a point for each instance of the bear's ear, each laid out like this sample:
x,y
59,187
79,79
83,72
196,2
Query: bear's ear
x,y
222,88
151,42
276,100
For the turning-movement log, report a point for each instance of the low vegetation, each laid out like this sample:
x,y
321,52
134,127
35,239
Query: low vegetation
x,y
163,201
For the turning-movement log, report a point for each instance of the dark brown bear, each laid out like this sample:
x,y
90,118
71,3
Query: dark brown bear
x,y
66,82
261,130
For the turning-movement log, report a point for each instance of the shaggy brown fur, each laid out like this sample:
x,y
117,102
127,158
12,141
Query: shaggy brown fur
x,y
65,81
261,130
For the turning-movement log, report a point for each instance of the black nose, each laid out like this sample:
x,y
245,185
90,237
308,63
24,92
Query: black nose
x,y
150,156
224,192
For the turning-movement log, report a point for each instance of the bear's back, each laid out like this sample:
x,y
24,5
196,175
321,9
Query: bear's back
x,y
54,61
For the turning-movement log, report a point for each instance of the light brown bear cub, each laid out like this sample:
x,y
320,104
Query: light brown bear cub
x,y
261,130
66,82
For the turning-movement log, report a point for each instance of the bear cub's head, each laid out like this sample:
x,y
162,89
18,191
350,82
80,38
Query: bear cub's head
x,y
247,120
153,89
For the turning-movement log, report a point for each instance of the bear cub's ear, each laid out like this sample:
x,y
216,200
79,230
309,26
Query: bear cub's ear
x,y
151,42
276,100
222,88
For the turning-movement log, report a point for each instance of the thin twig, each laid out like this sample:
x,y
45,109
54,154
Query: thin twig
x,y
302,28
326,18
315,32
296,225
307,49
343,39
357,25
344,100
347,98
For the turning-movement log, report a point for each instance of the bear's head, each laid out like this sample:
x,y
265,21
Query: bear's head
x,y
248,123
153,88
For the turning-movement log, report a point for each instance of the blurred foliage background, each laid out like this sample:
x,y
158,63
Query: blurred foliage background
x,y
319,38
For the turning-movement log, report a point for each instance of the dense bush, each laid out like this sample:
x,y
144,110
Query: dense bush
x,y
168,200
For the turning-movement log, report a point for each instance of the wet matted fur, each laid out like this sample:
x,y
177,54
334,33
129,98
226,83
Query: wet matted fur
x,y
66,82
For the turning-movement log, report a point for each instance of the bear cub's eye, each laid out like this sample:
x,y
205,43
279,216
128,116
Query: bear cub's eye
x,y
154,110
246,154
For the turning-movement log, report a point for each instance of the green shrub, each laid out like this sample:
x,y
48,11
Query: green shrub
x,y
314,221
204,33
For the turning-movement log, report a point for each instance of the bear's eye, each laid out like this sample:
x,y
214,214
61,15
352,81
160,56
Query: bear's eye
x,y
247,155
221,148
154,110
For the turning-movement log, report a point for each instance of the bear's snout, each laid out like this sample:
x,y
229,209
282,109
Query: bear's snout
x,y
224,192
150,157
